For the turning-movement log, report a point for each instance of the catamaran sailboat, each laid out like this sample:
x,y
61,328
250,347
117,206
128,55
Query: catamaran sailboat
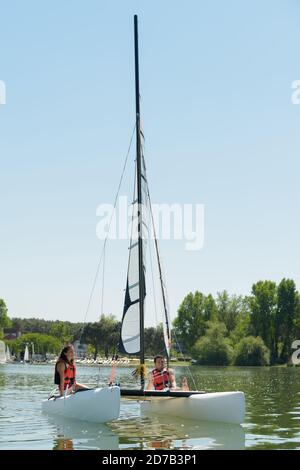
x,y
103,404
224,407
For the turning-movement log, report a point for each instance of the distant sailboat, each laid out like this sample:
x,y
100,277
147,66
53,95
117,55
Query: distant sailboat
x,y
26,354
2,353
8,356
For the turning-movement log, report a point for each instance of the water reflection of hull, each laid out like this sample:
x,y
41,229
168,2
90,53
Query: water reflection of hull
x,y
206,435
163,432
71,434
137,431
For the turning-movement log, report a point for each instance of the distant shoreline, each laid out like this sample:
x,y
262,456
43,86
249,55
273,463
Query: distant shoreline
x,y
149,365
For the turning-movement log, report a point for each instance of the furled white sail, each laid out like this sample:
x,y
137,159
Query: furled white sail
x,y
2,352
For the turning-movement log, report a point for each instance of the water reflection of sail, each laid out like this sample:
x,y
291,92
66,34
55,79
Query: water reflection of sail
x,y
84,435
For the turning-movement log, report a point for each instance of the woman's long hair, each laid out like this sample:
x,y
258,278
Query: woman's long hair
x,y
63,354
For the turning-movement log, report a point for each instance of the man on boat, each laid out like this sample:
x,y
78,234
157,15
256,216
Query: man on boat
x,y
161,378
65,372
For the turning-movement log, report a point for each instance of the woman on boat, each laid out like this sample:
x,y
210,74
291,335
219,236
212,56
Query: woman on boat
x,y
65,372
160,377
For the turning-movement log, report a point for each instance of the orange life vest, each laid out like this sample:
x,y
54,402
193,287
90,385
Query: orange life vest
x,y
69,375
161,379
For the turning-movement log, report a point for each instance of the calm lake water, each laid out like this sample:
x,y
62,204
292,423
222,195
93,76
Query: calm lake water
x,y
272,416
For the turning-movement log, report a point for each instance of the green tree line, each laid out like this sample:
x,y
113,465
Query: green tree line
x,y
243,330
5,322
227,329
50,336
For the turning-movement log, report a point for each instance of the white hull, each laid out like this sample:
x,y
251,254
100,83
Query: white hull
x,y
99,405
225,407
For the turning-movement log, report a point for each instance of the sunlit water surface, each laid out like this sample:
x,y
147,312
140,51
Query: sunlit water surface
x,y
272,415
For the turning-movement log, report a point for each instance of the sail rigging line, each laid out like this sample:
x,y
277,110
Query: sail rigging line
x,y
163,289
102,286
106,238
188,368
102,310
167,325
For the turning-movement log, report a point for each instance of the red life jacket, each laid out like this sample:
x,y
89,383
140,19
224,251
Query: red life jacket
x,y
69,375
161,379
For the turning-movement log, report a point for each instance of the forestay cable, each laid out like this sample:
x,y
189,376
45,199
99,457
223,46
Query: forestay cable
x,y
106,238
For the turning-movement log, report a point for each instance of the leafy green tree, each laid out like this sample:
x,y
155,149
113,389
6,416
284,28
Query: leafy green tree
x,y
71,331
263,305
32,325
92,334
154,340
5,322
42,344
213,348
251,351
229,309
286,317
297,320
210,308
102,335
242,327
111,331
62,331
190,322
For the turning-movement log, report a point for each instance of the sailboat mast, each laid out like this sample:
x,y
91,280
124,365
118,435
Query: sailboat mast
x,y
139,197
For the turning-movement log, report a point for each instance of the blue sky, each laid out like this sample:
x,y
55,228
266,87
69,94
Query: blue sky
x,y
220,129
